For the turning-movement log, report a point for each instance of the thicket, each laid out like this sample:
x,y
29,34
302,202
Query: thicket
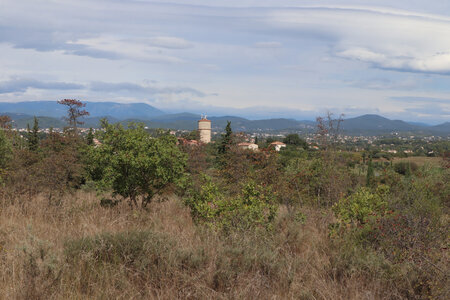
x,y
299,223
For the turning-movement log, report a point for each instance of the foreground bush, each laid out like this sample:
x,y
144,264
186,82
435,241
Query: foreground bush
x,y
406,231
254,207
358,207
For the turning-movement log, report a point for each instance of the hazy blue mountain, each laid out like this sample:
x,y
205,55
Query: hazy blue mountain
x,y
376,123
122,111
419,124
444,127
176,117
18,116
44,122
96,109
23,112
95,121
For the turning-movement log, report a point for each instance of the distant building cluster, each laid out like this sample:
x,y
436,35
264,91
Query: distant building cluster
x,y
248,146
204,131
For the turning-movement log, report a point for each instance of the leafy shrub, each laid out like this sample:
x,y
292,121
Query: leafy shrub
x,y
254,207
357,208
409,237
320,181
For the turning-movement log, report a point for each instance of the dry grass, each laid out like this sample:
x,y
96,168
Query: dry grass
x,y
172,259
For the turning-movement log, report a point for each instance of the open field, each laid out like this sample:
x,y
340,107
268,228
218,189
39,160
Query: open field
x,y
422,160
419,160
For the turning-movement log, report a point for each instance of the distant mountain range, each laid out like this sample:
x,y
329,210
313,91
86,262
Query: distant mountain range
x,y
375,123
96,109
50,115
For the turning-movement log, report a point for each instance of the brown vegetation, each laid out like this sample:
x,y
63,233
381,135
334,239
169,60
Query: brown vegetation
x,y
65,252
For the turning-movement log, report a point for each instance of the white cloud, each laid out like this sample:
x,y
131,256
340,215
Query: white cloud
x,y
386,38
131,49
438,63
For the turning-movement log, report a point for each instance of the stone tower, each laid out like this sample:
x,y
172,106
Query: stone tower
x,y
204,129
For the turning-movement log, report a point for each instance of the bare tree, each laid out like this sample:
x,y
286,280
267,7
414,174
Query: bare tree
x,y
329,129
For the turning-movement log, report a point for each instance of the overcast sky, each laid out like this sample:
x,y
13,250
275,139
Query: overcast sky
x,y
273,57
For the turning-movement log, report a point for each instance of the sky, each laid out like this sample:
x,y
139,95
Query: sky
x,y
254,58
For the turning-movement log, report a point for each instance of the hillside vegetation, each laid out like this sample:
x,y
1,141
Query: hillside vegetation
x,y
134,215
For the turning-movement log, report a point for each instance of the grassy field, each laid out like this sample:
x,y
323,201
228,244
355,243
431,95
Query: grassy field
x,y
422,160
419,160
80,250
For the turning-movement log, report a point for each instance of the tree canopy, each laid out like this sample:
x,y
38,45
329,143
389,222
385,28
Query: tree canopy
x,y
135,165
294,139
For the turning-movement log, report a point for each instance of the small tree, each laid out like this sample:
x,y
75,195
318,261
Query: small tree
x,y
5,122
193,135
60,168
294,139
135,165
74,112
329,173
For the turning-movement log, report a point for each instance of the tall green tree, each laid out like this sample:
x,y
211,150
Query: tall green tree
x,y
90,137
370,173
33,136
135,165
226,139
5,150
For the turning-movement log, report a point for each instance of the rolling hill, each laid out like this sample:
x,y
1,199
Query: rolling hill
x,y
376,123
